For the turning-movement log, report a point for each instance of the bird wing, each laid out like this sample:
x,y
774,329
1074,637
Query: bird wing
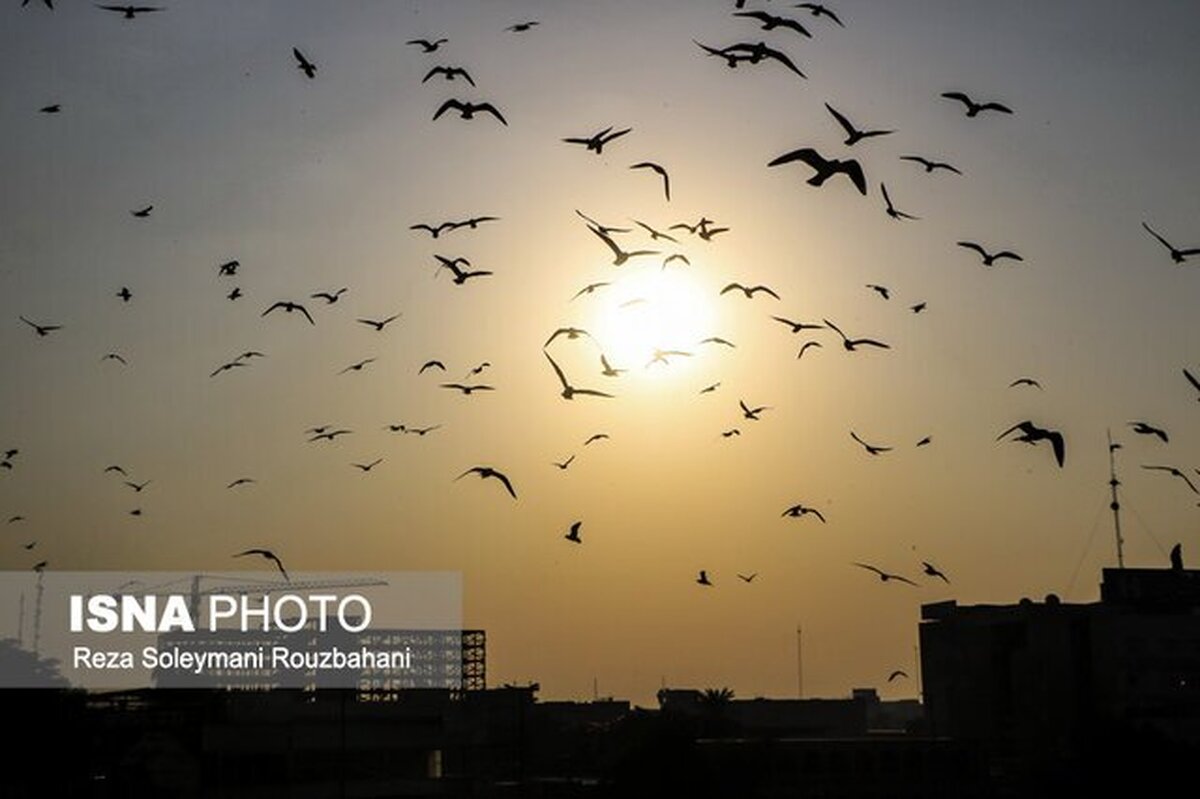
x,y
962,98
916,159
869,342
887,199
783,59
457,105
817,513
868,567
1191,378
561,377
806,155
307,315
994,106
605,138
1024,427
612,245
733,286
491,109
853,170
835,329
1007,254
845,123
592,392
970,245
504,479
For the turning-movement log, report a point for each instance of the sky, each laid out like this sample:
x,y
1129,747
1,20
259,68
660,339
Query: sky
x,y
312,185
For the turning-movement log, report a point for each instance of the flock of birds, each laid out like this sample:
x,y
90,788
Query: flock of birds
x,y
821,170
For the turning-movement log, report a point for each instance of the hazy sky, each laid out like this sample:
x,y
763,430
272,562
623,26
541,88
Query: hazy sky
x,y
312,185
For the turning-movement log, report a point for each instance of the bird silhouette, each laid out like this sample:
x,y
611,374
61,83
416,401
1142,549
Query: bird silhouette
x,y
112,356
872,449
771,22
1191,378
929,165
366,467
752,413
380,324
570,391
619,256
973,108
467,110
304,65
116,469
131,12
1174,472
749,291
474,222
225,367
41,330
53,108
920,306
330,435
747,578
589,288
677,256
229,268
818,10
730,433
485,472
449,73
882,291
851,344
595,437
797,511
330,297
422,431
357,367
431,365
824,168
797,326
426,45
290,306
710,388
595,143
143,213
433,230
241,481
125,294
1177,255
933,571
607,369
605,229
805,346
569,332
1025,381
702,578
461,276
718,340
897,674
884,576
853,134
573,534
138,487
891,209
759,51
1032,434
521,27
925,441
467,389
1146,429
661,356
666,179
989,258
269,555
235,294
563,465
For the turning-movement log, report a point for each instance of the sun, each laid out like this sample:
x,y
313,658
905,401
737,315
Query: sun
x,y
652,310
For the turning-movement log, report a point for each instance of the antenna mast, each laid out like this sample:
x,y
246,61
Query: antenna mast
x,y
1115,505
799,664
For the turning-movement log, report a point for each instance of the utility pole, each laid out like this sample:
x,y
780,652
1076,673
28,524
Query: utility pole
x,y
1115,505
799,664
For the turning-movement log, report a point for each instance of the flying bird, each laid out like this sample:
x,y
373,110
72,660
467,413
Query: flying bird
x,y
605,229
426,45
1177,255
137,487
718,340
330,297
897,674
235,294
805,346
573,534
449,73
771,22
563,465
1191,378
434,230
466,389
466,110
241,481
619,256
304,65
54,108
882,291
749,291
989,258
569,332
41,330
595,143
570,391
871,449
461,276
521,27
421,431
853,134
474,222
366,467
702,578
925,441
225,367
655,235
1146,429
229,268
595,437
485,472
125,294
752,413
710,388
797,511
933,571
677,256
357,367
884,576
115,468
290,306
269,555
824,168
891,209
730,433
797,326
143,213
131,12
607,369
1032,434
666,187
113,356
754,53
329,435
920,306
747,578
972,107
1176,473
431,365
380,324
1025,381
929,165
850,344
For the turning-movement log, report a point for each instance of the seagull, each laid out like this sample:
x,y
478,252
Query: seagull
x,y
1191,378
771,22
426,45
891,209
989,258
434,230
477,370
754,53
752,413
467,110
474,222
330,297
269,555
702,578
666,188
570,391
289,306
882,291
330,435
973,108
241,481
747,578
749,291
41,330
930,166
818,10
381,324
1031,434
15,519
1177,473
112,356
421,431
933,571
925,441
711,388
225,367
897,673
660,356
1025,381
1149,430
137,487
677,256
871,449
589,288
595,437
235,294
143,213
920,306
449,73
304,65
731,432
130,12
460,276
564,464
595,143
850,344
607,369
718,340
805,346
796,511
50,109
357,367
366,467
619,256
485,472
884,576
573,534
853,134
521,27
1178,256
569,332
467,389
125,294
825,168
116,469
797,326
229,268
431,365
